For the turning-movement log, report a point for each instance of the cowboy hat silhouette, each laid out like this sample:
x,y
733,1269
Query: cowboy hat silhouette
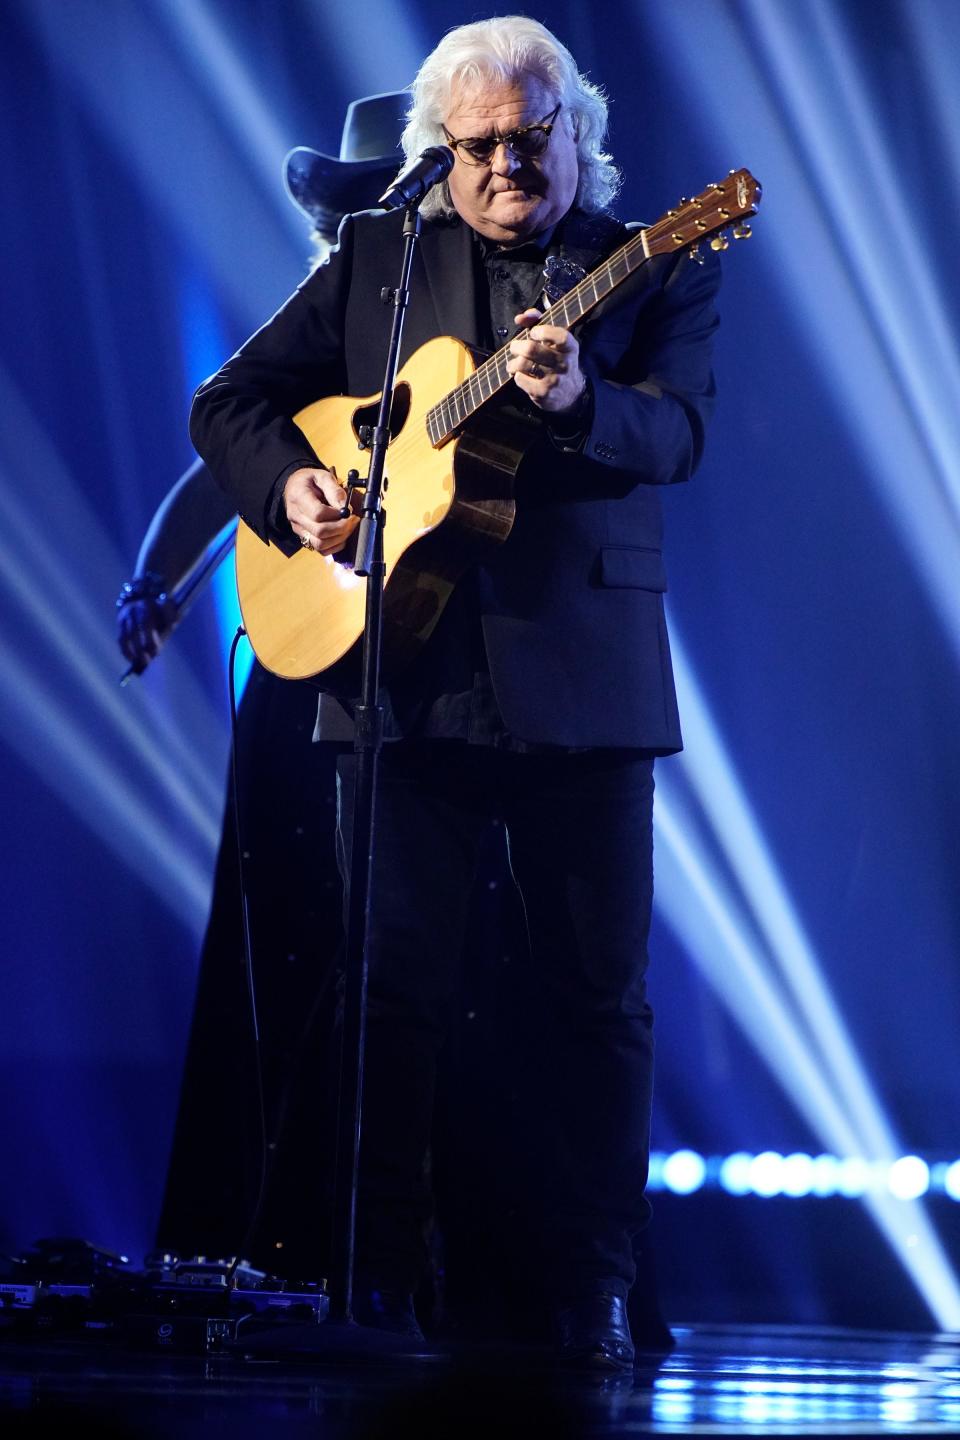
x,y
327,187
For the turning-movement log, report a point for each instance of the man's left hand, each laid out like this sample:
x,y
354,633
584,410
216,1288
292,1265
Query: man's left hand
x,y
545,363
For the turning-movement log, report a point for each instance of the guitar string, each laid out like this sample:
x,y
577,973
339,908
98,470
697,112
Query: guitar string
x,y
461,402
457,406
493,374
467,397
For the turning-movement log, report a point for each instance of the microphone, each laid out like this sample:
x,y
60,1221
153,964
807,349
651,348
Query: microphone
x,y
412,184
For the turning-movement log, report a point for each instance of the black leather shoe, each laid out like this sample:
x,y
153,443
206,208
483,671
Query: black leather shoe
x,y
593,1333
385,1309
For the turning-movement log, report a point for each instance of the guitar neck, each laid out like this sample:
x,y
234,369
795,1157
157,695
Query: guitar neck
x,y
456,408
693,220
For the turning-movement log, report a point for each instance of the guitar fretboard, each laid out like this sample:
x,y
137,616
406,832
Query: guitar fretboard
x,y
456,407
693,220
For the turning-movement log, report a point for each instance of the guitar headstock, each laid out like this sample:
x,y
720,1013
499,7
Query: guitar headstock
x,y
720,207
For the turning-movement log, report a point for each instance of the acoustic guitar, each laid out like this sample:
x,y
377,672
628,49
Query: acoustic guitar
x,y
450,468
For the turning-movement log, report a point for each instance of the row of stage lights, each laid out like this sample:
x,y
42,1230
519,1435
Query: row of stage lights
x,y
798,1176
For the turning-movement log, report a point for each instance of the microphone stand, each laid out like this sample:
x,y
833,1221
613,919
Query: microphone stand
x,y
367,743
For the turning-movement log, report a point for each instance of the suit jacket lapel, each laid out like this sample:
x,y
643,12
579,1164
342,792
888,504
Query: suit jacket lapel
x,y
446,256
585,240
588,240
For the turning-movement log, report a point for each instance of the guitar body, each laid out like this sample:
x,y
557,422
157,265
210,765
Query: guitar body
x,y
304,613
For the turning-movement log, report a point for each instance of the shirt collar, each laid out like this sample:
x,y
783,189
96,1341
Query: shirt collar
x,y
532,249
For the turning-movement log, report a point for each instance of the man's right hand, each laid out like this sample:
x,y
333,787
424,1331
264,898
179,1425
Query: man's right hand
x,y
313,499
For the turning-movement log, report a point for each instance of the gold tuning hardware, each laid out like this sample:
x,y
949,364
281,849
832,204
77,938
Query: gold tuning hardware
x,y
720,242
696,256
742,231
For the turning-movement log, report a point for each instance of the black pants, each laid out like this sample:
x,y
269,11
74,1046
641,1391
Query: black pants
x,y
579,829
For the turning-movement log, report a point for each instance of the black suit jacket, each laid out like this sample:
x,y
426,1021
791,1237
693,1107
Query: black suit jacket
x,y
572,602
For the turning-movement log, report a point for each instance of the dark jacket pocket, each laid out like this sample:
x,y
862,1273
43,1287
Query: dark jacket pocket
x,y
632,567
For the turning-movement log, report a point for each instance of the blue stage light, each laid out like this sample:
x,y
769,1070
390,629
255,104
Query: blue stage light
x,y
855,1176
189,163
896,372
684,1172
89,778
230,82
825,1170
799,1176
204,345
229,620
395,42
951,1181
909,1177
766,1174
142,775
734,1174
799,1030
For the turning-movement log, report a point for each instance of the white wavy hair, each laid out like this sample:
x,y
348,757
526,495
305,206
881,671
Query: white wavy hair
x,y
502,51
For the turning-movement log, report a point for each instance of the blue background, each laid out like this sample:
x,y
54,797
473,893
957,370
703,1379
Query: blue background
x,y
805,971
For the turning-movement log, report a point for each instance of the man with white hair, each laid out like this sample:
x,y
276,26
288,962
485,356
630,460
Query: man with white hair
x,y
545,692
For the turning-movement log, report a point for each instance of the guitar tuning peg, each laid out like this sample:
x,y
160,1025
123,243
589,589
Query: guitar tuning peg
x,y
696,256
742,231
720,242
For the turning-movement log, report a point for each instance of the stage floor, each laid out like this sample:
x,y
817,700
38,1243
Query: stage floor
x,y
717,1381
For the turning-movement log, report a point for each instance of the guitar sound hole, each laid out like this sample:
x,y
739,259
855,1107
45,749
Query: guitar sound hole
x,y
399,410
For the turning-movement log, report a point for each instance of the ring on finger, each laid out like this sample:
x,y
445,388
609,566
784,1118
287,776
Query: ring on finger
x,y
305,541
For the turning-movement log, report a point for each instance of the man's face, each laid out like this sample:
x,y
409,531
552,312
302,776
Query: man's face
x,y
511,199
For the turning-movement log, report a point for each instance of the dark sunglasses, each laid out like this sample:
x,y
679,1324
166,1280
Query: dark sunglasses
x,y
526,142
